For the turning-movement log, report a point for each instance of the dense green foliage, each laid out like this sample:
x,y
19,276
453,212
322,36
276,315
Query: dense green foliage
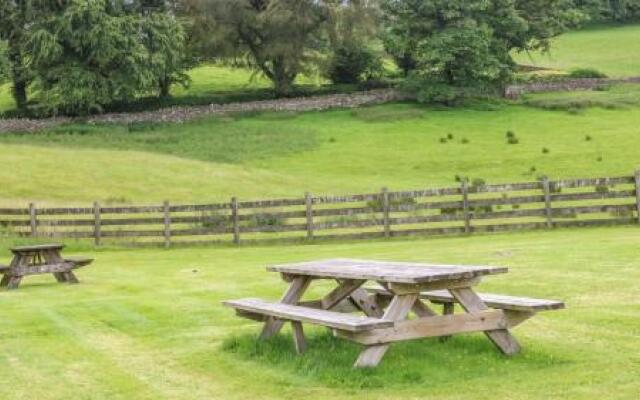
x,y
611,10
281,39
460,47
353,63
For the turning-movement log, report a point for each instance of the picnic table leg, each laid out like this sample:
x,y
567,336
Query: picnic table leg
x,y
5,280
14,282
398,309
70,277
471,302
447,309
298,286
60,277
298,337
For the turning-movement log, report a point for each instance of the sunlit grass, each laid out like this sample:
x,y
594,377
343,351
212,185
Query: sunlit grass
x,y
148,324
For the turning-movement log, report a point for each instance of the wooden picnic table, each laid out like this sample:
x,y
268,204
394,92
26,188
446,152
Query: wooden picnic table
x,y
40,259
402,288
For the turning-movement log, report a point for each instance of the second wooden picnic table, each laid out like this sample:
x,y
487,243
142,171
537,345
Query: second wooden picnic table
x,y
40,259
402,288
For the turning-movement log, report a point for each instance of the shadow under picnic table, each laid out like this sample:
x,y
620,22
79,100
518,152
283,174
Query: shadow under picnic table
x,y
329,360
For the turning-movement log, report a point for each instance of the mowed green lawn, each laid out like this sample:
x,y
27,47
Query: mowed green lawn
x,y
333,152
613,50
148,324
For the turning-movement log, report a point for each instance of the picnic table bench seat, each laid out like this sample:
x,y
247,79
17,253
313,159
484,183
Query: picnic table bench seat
x,y
498,301
331,319
79,261
3,268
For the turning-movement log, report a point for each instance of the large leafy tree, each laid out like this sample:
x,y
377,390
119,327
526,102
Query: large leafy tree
x,y
277,38
453,47
519,25
17,17
87,55
165,40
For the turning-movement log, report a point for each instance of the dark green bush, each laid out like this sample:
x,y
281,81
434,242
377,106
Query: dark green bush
x,y
353,63
581,73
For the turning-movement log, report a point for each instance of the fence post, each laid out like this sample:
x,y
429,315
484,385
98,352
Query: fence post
x,y
33,219
464,189
167,225
385,212
308,200
547,201
637,177
97,229
235,220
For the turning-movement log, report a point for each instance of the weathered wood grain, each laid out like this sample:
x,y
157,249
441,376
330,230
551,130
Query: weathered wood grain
x,y
504,302
385,271
332,319
433,326
397,311
294,293
502,338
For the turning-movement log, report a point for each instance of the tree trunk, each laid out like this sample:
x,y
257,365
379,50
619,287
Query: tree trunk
x,y
165,87
282,80
20,83
20,94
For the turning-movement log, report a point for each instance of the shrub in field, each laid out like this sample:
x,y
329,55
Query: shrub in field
x,y
353,63
581,73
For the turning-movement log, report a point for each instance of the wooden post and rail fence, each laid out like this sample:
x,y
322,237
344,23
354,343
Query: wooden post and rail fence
x,y
464,209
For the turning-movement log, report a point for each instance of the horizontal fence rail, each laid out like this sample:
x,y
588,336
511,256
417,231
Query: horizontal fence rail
x,y
465,209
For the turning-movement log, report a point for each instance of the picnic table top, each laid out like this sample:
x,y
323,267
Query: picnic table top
x,y
38,247
385,271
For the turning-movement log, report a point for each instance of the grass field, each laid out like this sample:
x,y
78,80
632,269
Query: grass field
x,y
149,325
613,50
284,154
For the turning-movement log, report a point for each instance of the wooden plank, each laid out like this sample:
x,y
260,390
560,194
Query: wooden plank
x,y
294,293
234,220
397,311
348,211
289,312
434,326
348,224
198,207
65,211
41,269
576,183
502,338
422,310
272,203
14,211
596,222
345,199
344,289
547,201
167,224
504,302
96,224
298,337
273,228
36,248
365,303
612,194
385,271
309,214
